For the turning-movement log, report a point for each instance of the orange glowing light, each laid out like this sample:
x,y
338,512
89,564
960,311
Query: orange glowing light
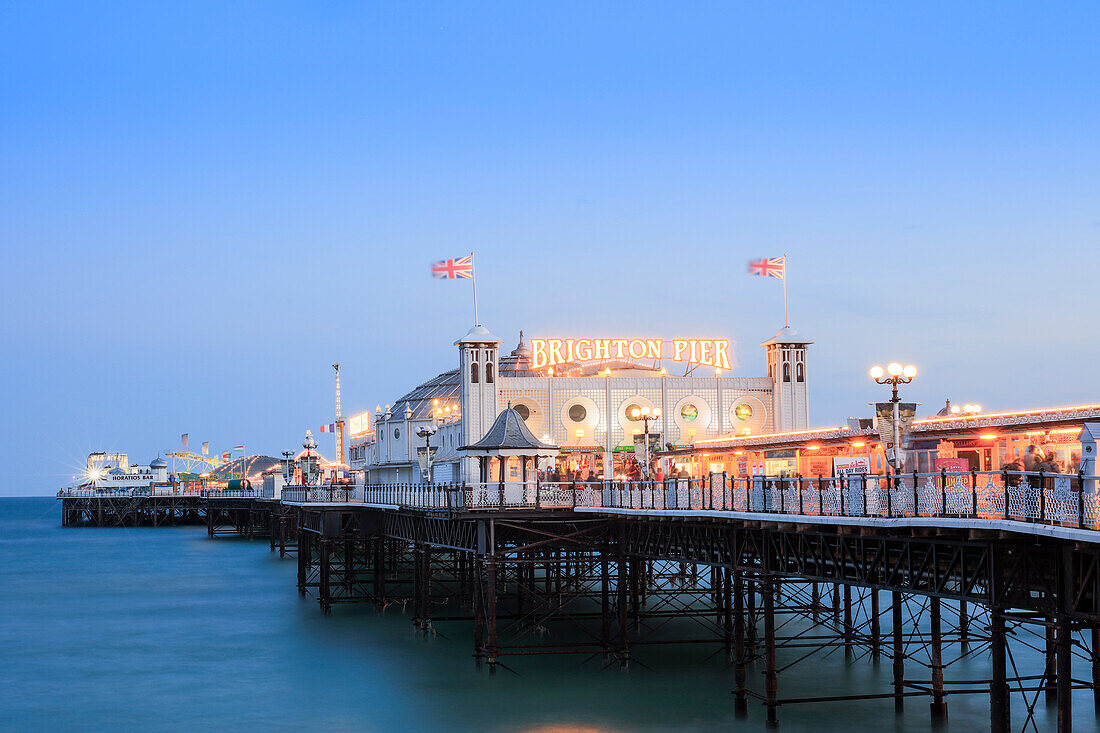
x,y
813,447
988,436
858,444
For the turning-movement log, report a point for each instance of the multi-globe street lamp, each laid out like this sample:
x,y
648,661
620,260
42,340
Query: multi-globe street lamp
x,y
646,414
895,374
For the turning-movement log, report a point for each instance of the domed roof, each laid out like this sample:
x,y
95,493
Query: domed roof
x,y
518,363
478,335
158,462
787,335
444,388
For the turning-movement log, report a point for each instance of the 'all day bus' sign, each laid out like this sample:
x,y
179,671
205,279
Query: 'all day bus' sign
x,y
705,352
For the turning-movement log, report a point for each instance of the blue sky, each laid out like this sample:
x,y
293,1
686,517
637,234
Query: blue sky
x,y
203,205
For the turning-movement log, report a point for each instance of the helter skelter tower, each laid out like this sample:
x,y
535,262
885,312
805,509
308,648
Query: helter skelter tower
x,y
339,418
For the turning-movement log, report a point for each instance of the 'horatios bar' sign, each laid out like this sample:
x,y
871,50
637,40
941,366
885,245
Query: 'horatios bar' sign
x,y
707,352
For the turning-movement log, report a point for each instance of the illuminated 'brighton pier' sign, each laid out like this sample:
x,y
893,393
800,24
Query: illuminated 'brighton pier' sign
x,y
707,352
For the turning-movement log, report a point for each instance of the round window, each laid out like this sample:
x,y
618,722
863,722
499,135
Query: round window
x,y
630,413
397,432
743,411
689,412
577,413
523,410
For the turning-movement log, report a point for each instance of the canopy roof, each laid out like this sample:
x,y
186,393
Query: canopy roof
x,y
510,435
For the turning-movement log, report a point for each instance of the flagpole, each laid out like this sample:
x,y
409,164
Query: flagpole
x,y
786,318
473,277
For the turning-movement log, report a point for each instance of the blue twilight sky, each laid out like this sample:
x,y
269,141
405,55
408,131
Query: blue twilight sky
x,y
204,204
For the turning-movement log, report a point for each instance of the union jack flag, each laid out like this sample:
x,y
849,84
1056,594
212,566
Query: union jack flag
x,y
452,269
769,267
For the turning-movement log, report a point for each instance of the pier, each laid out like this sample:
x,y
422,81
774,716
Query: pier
x,y
916,571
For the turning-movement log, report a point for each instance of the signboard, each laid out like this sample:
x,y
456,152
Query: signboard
x,y
951,464
422,458
706,352
845,466
359,424
884,413
819,466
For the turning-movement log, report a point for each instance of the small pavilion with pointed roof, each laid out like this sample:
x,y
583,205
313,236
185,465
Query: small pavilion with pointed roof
x,y
508,437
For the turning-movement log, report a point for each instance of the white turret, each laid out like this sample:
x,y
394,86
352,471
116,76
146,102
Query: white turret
x,y
478,353
786,353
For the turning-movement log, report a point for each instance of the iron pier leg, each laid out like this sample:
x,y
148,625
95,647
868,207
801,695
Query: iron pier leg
x,y
964,627
847,621
740,701
898,652
605,603
303,562
323,593
1095,649
479,613
1065,677
815,602
624,599
999,711
491,613
751,593
379,573
727,612
938,707
771,678
1052,662
836,604
876,628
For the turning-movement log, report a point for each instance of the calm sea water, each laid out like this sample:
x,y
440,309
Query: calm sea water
x,y
162,629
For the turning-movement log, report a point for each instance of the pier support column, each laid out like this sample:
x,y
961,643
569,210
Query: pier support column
x,y
876,628
1065,677
1050,649
771,677
378,548
1095,649
938,706
303,562
750,591
740,700
964,627
815,602
847,621
898,651
727,612
491,649
999,709
605,603
624,600
324,595
836,604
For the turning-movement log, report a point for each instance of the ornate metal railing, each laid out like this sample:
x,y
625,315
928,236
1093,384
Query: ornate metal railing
x,y
326,494
1069,500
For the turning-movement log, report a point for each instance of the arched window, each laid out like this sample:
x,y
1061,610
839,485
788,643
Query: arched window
x,y
799,373
489,372
786,371
473,372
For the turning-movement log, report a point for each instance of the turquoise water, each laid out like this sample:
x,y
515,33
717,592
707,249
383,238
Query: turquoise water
x,y
162,629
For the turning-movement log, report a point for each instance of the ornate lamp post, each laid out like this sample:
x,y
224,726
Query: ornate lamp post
x,y
645,414
898,374
426,432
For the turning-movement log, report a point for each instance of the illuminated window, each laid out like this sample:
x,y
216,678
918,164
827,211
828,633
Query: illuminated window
x,y
743,412
577,413
630,413
786,371
799,372
689,412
